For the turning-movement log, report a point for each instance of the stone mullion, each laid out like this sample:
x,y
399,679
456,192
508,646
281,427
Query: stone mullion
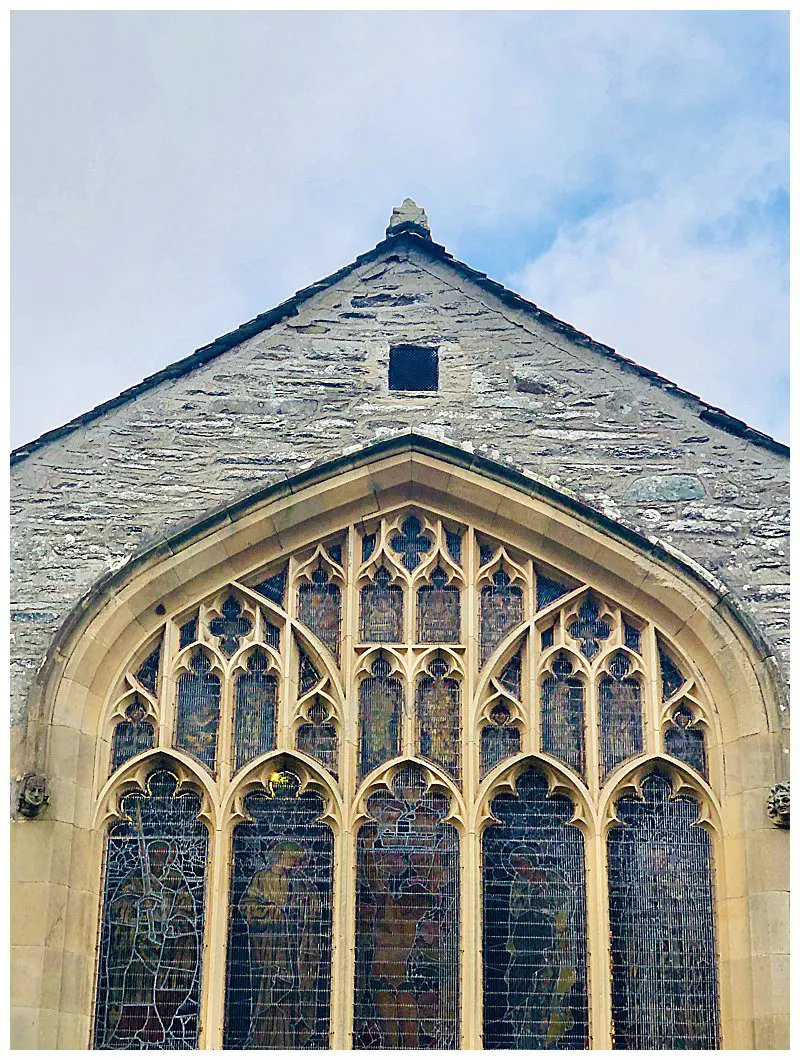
x,y
592,731
470,935
652,697
166,699
216,939
598,943
530,671
287,698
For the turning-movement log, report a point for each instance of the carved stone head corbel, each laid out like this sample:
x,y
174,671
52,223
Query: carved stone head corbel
x,y
778,804
33,796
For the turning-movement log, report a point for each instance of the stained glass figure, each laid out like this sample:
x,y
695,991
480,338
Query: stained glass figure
x,y
563,715
589,628
256,706
308,675
633,638
663,947
131,736
439,717
380,710
407,920
147,674
151,937
278,981
453,539
188,633
686,741
620,703
382,610
368,542
438,611
548,590
548,637
501,611
198,710
318,736
486,551
511,676
411,544
499,739
534,923
671,677
274,588
319,606
231,626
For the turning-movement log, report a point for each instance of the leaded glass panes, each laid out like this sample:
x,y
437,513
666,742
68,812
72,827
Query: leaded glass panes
x,y
230,626
534,923
188,633
318,736
499,739
663,947
671,677
380,709
589,628
274,587
511,675
633,637
439,717
198,710
438,611
279,939
132,735
151,936
562,703
308,675
368,546
411,544
407,920
686,741
453,539
147,674
548,590
382,610
620,707
319,606
256,706
501,610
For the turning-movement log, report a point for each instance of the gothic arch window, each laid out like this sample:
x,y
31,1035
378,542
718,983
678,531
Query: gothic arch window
x,y
401,758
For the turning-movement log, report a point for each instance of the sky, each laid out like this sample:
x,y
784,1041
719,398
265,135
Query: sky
x,y
175,174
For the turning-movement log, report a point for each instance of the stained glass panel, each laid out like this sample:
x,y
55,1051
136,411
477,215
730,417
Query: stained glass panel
x,y
407,921
198,710
548,590
367,546
620,704
499,739
534,923
686,741
318,736
380,709
486,551
382,610
438,611
548,637
663,947
278,981
188,633
319,606
230,626
274,588
671,677
563,715
511,675
453,539
501,610
147,674
308,675
151,937
633,637
439,717
131,736
589,628
256,706
411,544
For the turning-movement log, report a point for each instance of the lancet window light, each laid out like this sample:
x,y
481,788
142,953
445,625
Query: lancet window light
x,y
323,775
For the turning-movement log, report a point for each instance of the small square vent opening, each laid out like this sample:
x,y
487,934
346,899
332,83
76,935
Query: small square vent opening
x,y
414,368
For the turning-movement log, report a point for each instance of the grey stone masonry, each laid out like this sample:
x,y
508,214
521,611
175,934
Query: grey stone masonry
x,y
518,387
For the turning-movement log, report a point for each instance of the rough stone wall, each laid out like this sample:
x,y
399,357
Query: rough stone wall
x,y
314,384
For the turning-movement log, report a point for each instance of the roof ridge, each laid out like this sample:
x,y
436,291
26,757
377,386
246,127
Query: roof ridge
x,y
710,414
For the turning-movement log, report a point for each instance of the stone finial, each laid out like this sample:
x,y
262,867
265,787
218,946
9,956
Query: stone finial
x,y
33,795
409,218
778,804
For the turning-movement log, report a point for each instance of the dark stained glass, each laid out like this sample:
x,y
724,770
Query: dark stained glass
x,y
548,637
499,739
274,588
411,544
319,606
334,550
256,706
382,610
534,923
453,539
151,936
198,710
272,635
380,710
501,610
308,675
407,921
438,611
188,633
589,628
278,981
439,717
368,546
671,677
486,551
230,626
620,702
663,947
686,741
633,638
147,674
511,676
548,590
131,736
318,736
563,715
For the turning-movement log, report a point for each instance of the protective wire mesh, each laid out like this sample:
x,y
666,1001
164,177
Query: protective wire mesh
x,y
380,710
278,980
256,704
453,539
308,675
501,610
151,936
274,588
411,543
686,741
589,628
439,717
438,611
147,674
318,736
511,675
620,721
633,638
230,626
188,633
407,921
382,610
131,736
198,711
548,590
671,677
663,948
499,740
534,923
562,700
319,606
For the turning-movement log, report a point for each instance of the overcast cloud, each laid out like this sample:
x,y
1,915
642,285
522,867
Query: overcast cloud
x,y
175,174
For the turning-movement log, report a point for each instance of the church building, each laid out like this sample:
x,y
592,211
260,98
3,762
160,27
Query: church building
x,y
405,669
